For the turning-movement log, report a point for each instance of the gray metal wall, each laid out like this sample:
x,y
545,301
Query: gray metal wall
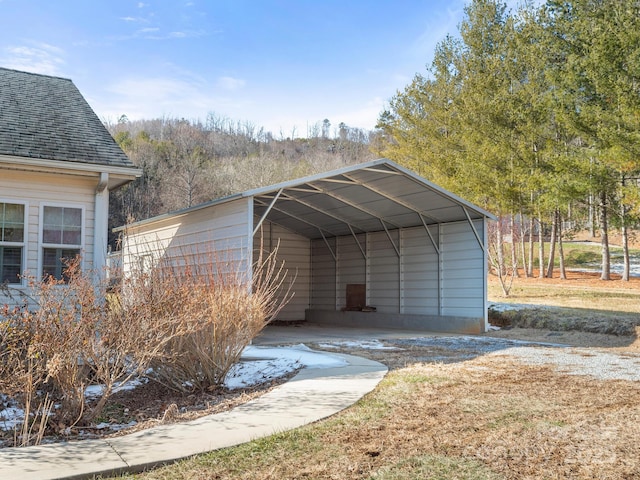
x,y
295,251
441,272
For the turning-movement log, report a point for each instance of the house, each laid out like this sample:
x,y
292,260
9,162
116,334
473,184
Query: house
x,y
58,164
371,245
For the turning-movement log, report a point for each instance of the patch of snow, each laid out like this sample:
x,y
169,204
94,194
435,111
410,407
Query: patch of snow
x,y
115,426
617,262
504,307
94,391
301,353
10,418
472,346
262,364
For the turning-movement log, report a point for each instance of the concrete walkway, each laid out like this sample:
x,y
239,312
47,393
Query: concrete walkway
x,y
311,395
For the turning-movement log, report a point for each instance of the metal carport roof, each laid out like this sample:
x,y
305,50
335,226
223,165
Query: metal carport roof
x,y
374,196
369,197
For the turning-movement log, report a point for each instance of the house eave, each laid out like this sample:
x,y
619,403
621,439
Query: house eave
x,y
118,175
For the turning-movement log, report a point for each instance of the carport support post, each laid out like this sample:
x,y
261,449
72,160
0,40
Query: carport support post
x,y
401,271
397,249
440,272
436,247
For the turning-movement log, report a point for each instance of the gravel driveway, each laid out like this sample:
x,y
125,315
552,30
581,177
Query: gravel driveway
x,y
569,360
580,361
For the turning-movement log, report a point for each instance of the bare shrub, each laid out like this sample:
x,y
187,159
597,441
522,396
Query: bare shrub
x,y
190,322
22,375
75,332
505,267
224,306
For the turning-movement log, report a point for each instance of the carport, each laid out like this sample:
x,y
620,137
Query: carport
x,y
372,245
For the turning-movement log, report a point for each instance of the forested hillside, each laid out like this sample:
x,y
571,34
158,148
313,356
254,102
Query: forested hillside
x,y
186,163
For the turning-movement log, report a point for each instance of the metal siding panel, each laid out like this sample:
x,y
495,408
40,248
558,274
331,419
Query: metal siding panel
x,y
295,251
463,282
351,265
420,272
214,234
323,282
384,273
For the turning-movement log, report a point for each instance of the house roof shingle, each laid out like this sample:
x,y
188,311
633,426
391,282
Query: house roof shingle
x,y
45,117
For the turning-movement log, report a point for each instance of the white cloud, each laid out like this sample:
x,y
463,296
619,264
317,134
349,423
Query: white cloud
x,y
37,58
146,98
230,83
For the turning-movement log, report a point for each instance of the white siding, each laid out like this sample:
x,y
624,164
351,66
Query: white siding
x,y
40,189
420,271
463,270
215,234
295,251
323,286
383,275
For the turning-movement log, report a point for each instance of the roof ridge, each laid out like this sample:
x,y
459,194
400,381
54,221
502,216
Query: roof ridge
x,y
35,73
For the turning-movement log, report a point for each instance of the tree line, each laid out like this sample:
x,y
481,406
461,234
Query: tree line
x,y
535,115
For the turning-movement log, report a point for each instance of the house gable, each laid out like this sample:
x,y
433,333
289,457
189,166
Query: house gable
x,y
43,117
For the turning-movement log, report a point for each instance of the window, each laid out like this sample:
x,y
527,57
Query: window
x,y
61,238
11,241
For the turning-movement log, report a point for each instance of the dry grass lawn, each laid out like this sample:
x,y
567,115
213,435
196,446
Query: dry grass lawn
x,y
484,418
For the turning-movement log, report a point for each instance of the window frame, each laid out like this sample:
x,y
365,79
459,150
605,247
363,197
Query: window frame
x,y
25,235
42,245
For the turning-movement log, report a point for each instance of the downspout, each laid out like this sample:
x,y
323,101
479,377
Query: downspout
x,y
100,226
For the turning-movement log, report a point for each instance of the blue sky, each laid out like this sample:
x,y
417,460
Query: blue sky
x,y
283,65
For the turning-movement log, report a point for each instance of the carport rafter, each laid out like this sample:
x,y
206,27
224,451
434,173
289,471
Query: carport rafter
x,y
309,205
342,199
378,170
395,247
333,254
433,242
475,232
266,212
355,237
393,199
295,217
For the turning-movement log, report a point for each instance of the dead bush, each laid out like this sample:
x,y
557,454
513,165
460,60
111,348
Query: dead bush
x,y
189,322
74,332
223,307
22,375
